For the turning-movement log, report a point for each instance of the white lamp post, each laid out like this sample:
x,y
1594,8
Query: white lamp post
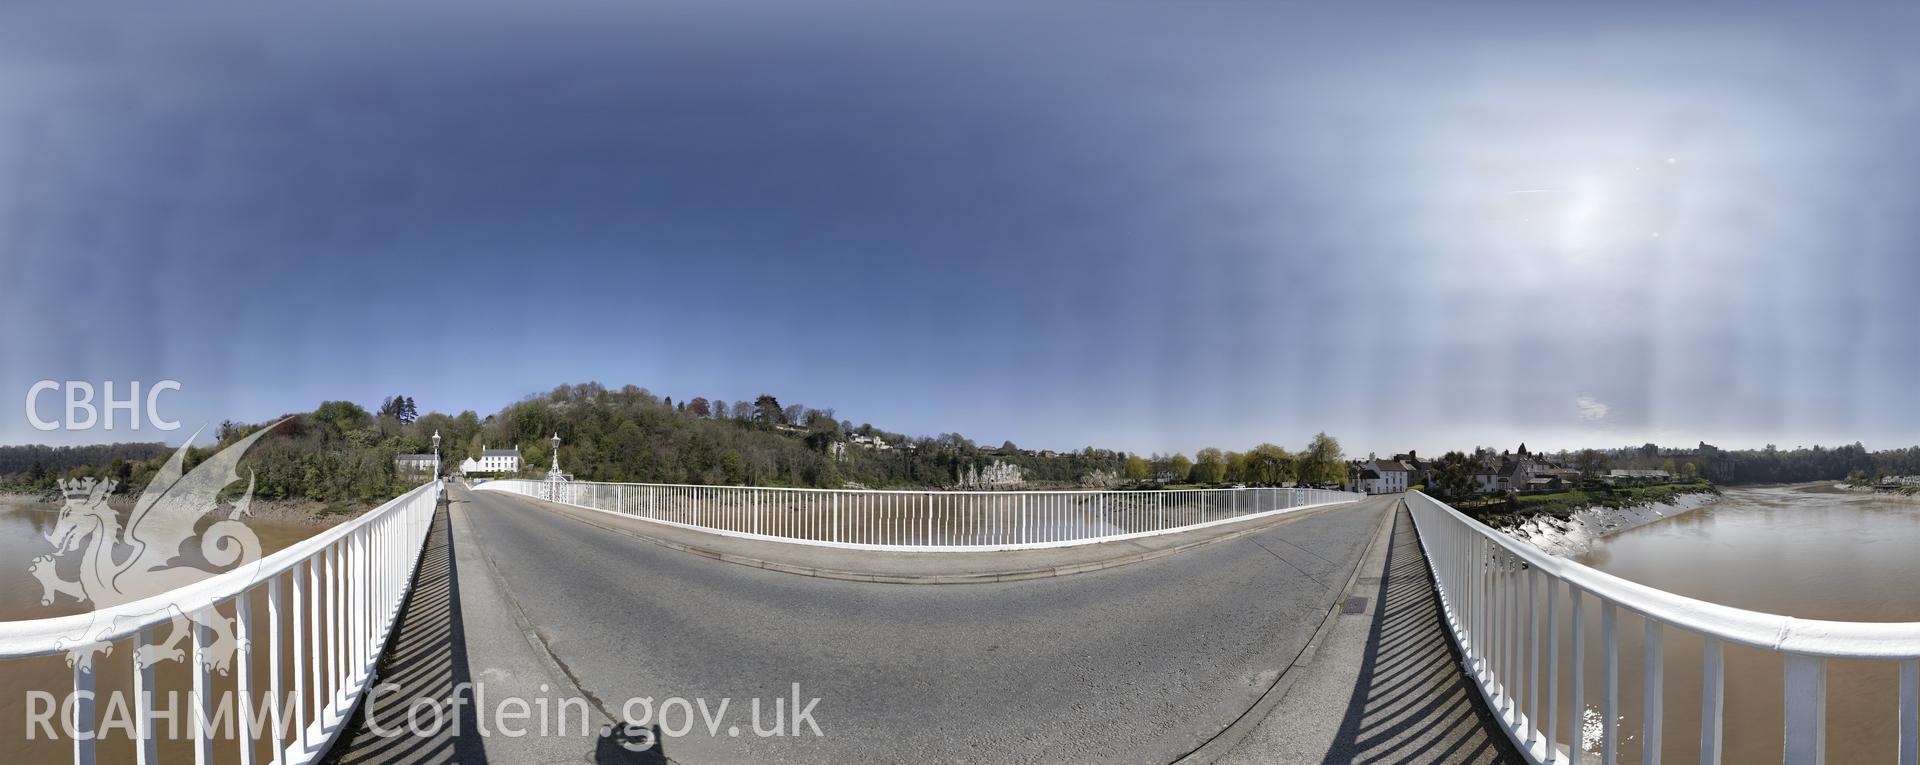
x,y
436,454
553,474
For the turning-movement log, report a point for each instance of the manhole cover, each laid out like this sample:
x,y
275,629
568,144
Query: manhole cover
x,y
1355,605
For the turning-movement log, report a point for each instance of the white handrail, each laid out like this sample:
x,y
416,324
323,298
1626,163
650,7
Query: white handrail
x,y
1499,596
331,601
924,520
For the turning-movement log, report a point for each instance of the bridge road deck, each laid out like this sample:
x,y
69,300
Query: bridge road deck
x,y
1141,663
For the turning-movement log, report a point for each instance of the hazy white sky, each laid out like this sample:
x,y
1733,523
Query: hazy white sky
x,y
1151,227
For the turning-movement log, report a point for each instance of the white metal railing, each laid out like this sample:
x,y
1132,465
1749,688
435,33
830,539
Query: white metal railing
x,y
925,520
330,601
1501,598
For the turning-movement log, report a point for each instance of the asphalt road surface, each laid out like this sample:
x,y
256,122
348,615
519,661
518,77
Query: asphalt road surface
x,y
1141,663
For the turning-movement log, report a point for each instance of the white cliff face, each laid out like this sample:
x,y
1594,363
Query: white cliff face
x,y
998,475
1576,535
1100,479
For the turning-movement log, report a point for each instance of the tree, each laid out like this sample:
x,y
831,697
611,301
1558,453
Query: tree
x,y
1269,464
408,414
1453,479
700,407
1322,462
1209,466
1236,471
766,409
1590,462
342,416
720,410
1137,469
1179,468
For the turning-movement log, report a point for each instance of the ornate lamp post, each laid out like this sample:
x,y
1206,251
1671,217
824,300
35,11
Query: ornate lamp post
x,y
553,474
436,454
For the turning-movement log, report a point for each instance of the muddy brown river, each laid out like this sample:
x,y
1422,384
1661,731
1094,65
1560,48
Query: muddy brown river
x,y
1803,551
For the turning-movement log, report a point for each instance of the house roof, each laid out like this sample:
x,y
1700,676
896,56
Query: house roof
x,y
1389,466
412,457
499,452
1368,473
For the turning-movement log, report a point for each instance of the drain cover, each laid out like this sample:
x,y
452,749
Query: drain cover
x,y
1355,605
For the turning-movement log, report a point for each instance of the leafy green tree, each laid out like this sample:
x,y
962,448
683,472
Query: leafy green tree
x,y
1269,465
1137,469
1322,462
341,417
1453,479
767,409
1236,468
1209,466
1179,467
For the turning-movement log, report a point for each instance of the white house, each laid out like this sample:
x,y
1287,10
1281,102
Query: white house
x,y
498,461
1381,477
871,442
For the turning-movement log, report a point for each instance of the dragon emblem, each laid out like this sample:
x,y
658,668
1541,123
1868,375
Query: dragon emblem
x,y
162,548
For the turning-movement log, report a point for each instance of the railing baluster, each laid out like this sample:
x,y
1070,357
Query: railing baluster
x,y
1513,651
200,710
1806,710
317,604
1713,686
1553,665
1577,710
1652,705
274,689
145,743
83,727
1909,712
1610,684
243,673
1499,645
297,663
1533,655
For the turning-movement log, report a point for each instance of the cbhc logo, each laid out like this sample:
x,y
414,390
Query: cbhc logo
x,y
83,415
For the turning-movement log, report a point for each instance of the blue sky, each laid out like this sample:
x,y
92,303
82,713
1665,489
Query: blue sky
x,y
1148,227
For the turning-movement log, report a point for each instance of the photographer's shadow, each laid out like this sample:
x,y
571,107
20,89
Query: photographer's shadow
x,y
622,745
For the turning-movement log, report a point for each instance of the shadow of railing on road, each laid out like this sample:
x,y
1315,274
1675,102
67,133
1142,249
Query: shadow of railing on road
x,y
1412,702
427,659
